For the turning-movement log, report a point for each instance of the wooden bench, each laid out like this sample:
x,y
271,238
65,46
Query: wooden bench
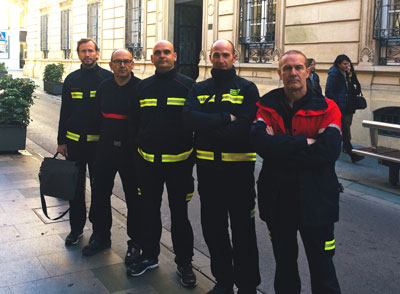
x,y
386,156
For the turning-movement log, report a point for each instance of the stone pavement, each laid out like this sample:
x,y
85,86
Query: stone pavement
x,y
34,259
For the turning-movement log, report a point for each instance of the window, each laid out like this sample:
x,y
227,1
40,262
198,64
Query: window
x,y
133,40
93,22
387,31
65,34
44,32
257,29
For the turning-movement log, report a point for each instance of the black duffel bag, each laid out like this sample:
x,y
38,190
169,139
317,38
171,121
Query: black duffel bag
x,y
58,178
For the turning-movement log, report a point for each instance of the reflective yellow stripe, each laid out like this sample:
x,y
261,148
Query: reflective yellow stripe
x,y
148,102
203,98
189,196
92,138
177,157
270,235
207,155
235,99
176,101
253,213
92,94
139,192
146,156
234,91
330,245
76,95
238,156
72,136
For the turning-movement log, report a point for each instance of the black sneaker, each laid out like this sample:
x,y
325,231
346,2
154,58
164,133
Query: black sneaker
x,y
140,267
132,255
220,290
188,278
95,246
73,238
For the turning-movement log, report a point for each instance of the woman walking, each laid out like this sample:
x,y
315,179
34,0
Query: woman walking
x,y
343,86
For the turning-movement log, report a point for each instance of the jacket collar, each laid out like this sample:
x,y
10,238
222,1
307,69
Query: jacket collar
x,y
166,75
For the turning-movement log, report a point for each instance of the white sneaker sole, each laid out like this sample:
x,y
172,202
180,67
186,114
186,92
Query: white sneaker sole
x,y
150,267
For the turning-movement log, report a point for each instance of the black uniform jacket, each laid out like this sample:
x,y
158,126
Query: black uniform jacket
x,y
207,112
156,118
78,113
296,177
112,102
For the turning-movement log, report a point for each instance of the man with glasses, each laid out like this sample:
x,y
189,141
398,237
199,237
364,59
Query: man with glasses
x,y
164,157
220,110
114,155
77,131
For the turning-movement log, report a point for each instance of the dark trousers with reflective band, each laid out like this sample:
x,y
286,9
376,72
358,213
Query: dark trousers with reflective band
x,y
318,244
84,153
179,182
111,159
229,193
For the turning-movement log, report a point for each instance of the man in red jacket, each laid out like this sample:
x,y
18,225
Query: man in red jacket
x,y
298,133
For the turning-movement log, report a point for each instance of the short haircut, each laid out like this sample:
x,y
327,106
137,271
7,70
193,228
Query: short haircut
x,y
309,61
290,52
340,58
230,42
87,40
123,49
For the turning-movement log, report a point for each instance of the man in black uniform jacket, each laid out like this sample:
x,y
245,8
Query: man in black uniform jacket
x,y
78,132
164,156
220,110
113,155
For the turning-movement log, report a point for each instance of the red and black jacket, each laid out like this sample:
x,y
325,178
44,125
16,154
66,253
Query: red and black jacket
x,y
291,165
113,108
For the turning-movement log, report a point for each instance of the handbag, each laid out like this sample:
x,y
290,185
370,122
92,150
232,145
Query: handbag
x,y
58,178
360,102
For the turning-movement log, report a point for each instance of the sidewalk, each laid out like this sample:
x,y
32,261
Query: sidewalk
x,y
34,259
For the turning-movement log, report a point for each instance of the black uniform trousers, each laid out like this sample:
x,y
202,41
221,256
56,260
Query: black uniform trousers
x,y
112,157
283,233
177,177
84,153
228,192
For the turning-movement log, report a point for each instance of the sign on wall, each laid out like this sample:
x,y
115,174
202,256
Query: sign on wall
x,y
4,50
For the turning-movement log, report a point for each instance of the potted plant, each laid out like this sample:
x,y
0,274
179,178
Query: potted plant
x,y
3,69
52,77
16,98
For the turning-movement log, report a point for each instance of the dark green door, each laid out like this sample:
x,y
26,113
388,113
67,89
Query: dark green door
x,y
187,38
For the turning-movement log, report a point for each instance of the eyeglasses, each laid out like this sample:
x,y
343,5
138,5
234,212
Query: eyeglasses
x,y
119,61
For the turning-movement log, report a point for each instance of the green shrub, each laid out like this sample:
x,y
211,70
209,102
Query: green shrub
x,y
16,98
53,72
3,67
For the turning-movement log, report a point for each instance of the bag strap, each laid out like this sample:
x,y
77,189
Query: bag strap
x,y
44,205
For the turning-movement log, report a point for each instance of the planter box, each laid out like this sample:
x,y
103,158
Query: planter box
x,y
54,88
13,138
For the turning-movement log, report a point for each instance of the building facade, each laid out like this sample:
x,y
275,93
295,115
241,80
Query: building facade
x,y
368,31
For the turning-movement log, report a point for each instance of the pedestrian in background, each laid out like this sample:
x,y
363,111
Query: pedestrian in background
x,y
313,79
297,132
78,132
220,111
342,86
164,149
114,155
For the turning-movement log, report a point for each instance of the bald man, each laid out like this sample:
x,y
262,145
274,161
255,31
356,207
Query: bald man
x,y
164,151
114,155
220,111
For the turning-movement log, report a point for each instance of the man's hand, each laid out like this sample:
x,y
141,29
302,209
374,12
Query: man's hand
x,y
310,141
270,130
233,118
62,149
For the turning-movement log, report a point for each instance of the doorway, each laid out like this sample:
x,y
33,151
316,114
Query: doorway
x,y
187,36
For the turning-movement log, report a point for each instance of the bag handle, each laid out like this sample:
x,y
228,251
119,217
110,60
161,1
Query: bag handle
x,y
44,205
